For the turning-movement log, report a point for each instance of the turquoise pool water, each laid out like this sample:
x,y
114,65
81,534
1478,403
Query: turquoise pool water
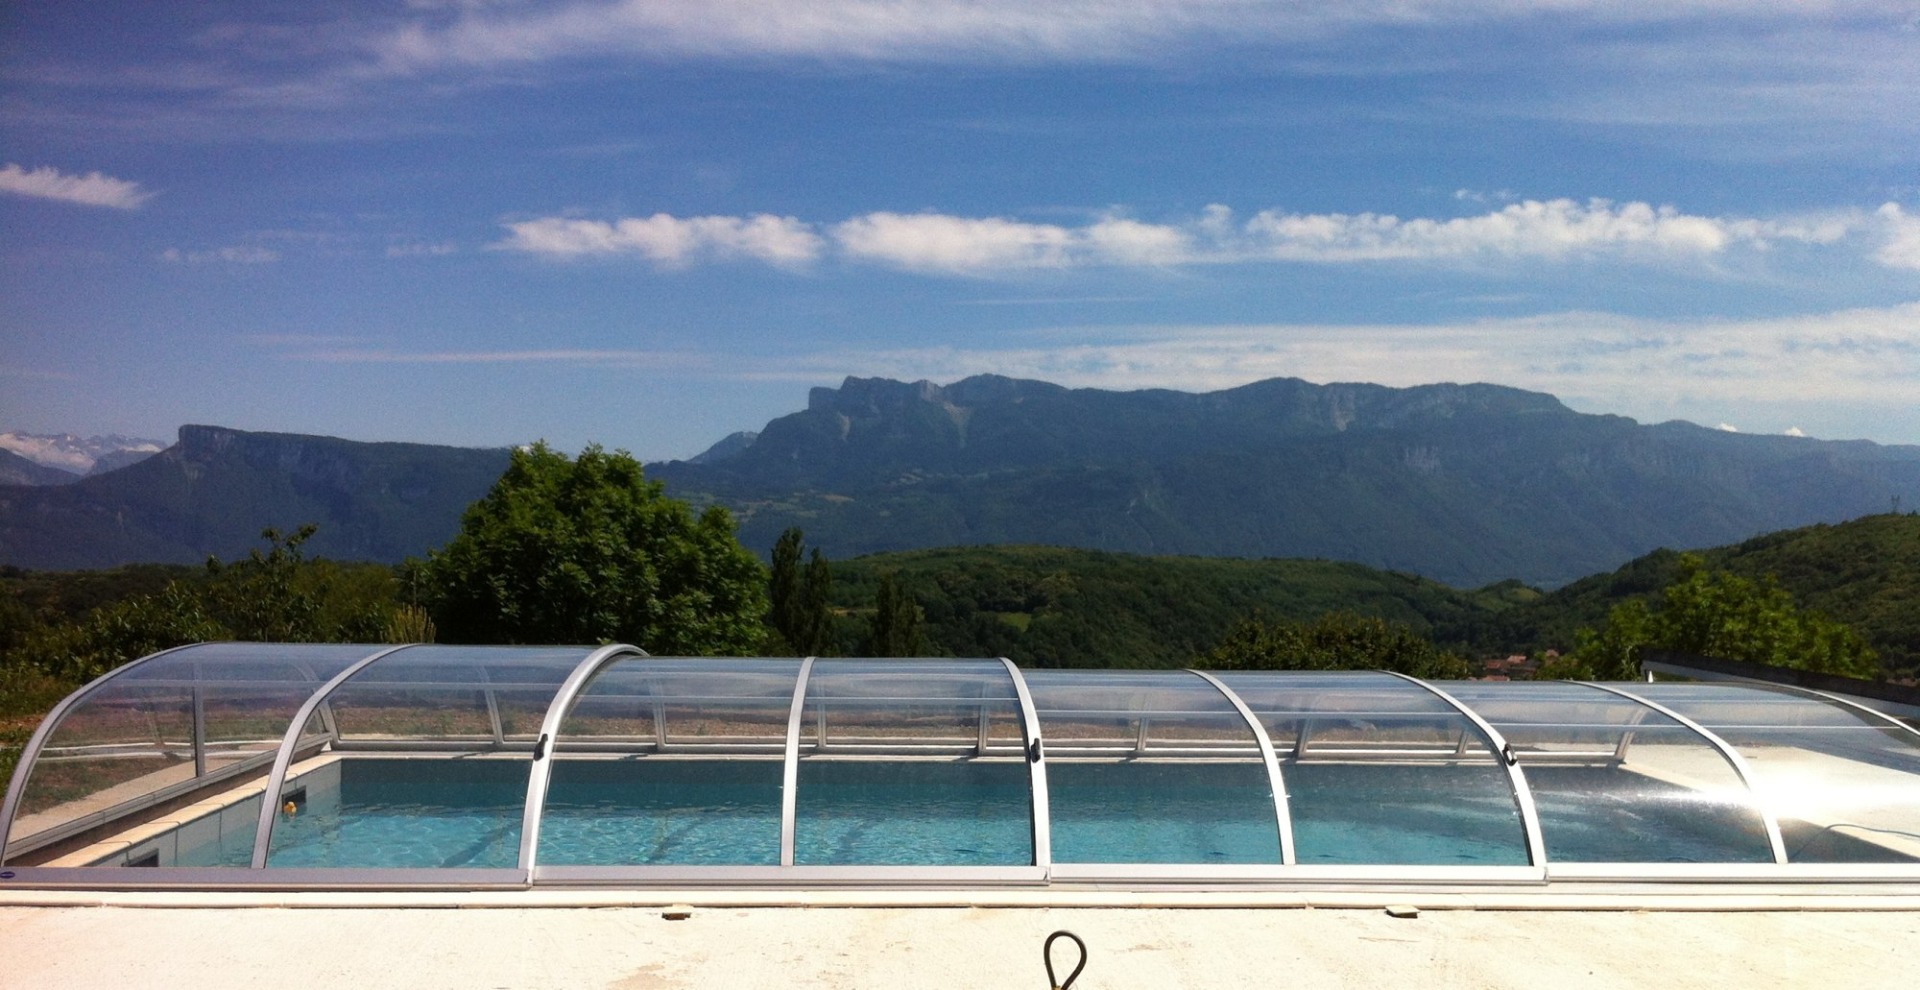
x,y
466,813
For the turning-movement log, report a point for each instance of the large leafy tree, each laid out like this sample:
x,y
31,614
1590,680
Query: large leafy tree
x,y
586,550
1717,614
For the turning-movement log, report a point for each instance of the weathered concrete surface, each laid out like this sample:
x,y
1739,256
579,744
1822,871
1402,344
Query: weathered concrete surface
x,y
635,948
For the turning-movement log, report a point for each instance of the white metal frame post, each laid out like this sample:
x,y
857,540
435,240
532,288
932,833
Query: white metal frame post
x,y
1282,813
542,769
1036,756
16,789
790,773
1733,758
1503,751
283,758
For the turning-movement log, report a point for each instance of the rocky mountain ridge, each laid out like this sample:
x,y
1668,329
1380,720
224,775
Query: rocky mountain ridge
x,y
1467,484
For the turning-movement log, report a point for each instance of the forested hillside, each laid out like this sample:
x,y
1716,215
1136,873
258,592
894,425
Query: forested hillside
x,y
1864,573
213,492
1051,606
1467,484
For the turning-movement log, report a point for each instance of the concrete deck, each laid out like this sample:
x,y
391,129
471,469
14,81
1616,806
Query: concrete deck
x,y
351,941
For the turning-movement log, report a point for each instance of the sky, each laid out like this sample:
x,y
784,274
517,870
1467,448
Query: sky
x,y
650,223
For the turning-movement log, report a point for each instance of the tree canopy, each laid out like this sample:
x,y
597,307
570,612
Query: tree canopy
x,y
1716,613
801,613
894,630
586,550
1334,641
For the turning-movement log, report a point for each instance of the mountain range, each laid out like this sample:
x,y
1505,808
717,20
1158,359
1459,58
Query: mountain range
x,y
59,459
1464,484
213,491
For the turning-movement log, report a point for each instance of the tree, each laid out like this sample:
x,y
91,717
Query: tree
x,y
587,550
1334,641
895,628
816,608
801,611
1717,614
783,589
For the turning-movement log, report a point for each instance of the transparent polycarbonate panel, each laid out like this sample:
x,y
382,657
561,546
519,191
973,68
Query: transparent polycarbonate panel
x,y
449,696
913,707
671,761
913,762
132,741
1618,782
1151,767
423,770
1354,714
1381,771
669,704
1845,786
245,704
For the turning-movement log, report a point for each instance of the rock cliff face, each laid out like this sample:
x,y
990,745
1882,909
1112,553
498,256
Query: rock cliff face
x,y
17,470
214,490
1465,483
1468,484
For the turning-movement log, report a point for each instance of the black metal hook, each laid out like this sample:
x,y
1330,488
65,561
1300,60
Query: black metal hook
x,y
1046,953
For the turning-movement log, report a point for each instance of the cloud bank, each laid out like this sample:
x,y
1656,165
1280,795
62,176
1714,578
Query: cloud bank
x,y
517,33
1769,375
1829,368
938,243
240,255
669,241
92,189
1900,246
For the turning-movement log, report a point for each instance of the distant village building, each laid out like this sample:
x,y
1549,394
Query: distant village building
x,y
1516,667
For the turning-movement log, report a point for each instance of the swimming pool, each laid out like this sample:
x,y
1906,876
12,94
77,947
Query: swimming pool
x,y
508,766
445,813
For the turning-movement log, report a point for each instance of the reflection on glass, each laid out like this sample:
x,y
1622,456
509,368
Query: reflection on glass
x,y
1380,771
1618,782
195,721
671,761
1844,786
1151,767
912,762
427,762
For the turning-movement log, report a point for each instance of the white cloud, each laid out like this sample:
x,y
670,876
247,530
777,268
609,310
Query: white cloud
x,y
242,255
1727,428
937,242
1553,230
668,240
1028,30
1845,373
92,189
587,357
1901,232
436,250
1532,228
1820,371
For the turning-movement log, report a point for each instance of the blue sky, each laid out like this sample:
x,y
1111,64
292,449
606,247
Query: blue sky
x,y
649,224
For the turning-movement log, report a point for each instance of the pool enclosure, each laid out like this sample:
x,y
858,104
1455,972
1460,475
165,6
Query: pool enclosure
x,y
278,765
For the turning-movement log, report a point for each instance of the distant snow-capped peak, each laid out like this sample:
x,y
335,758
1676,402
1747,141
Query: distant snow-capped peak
x,y
78,454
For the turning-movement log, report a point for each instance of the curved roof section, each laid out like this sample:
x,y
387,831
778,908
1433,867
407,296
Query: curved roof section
x,y
471,765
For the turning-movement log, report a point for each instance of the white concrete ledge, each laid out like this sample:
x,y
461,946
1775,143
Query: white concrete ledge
x,y
1593,900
